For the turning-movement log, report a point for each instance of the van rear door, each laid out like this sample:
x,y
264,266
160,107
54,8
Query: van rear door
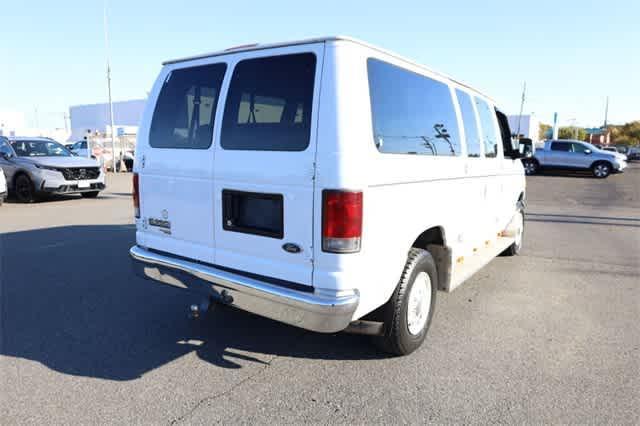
x,y
264,163
175,161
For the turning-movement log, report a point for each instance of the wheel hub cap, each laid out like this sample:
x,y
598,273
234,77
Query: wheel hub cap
x,y
419,303
601,170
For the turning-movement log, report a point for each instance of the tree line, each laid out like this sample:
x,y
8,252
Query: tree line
x,y
621,134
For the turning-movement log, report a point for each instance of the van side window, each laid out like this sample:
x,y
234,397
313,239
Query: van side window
x,y
186,107
508,146
489,134
470,124
412,114
268,107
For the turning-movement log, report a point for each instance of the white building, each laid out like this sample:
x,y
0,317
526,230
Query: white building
x,y
527,123
12,123
95,118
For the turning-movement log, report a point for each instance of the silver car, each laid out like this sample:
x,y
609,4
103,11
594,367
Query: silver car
x,y
36,166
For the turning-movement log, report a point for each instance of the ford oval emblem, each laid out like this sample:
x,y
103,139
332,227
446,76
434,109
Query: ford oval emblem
x,y
291,248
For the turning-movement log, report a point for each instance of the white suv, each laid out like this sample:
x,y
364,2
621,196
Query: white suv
x,y
324,183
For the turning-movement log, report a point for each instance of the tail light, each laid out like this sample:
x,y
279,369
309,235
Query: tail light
x,y
341,221
136,196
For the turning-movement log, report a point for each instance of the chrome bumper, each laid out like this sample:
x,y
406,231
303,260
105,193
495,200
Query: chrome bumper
x,y
311,311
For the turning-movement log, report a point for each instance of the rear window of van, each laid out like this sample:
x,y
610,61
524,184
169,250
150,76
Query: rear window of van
x,y
269,104
186,107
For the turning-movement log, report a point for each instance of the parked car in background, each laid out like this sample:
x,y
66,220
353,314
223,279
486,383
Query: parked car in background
x,y
103,154
575,155
36,166
633,154
3,187
340,208
80,149
615,151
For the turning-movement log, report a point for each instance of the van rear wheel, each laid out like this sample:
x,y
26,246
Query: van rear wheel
x,y
408,313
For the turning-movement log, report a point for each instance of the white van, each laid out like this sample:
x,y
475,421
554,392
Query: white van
x,y
324,183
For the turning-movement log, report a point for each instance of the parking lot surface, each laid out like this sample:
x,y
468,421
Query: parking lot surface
x,y
551,336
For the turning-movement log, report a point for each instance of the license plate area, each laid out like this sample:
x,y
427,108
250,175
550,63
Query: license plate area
x,y
84,184
253,213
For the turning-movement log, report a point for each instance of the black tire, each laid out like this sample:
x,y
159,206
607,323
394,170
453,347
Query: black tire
x,y
397,338
531,166
601,169
24,189
515,248
92,194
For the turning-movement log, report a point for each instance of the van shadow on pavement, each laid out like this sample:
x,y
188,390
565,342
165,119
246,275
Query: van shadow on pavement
x,y
70,301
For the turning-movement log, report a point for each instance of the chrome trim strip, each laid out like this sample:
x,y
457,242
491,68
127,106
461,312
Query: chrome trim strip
x,y
312,311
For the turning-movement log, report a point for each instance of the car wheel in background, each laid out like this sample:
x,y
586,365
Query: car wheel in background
x,y
24,190
601,169
407,315
93,194
530,166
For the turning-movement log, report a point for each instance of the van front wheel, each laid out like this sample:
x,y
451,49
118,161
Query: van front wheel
x,y
408,313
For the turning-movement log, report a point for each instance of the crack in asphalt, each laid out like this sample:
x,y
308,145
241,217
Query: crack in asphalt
x,y
206,400
211,398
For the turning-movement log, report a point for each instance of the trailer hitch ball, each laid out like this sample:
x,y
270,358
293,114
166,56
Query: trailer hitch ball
x,y
198,309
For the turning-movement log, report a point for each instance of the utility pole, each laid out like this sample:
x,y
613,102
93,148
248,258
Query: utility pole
x,y
106,44
606,113
524,89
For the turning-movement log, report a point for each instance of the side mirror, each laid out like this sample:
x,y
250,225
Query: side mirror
x,y
7,156
517,154
587,152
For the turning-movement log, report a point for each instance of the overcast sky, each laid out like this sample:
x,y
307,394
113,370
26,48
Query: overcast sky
x,y
571,53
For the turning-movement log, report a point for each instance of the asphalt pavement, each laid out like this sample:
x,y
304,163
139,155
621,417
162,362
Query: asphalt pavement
x,y
550,336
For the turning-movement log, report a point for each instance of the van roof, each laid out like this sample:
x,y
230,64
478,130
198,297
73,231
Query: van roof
x,y
257,46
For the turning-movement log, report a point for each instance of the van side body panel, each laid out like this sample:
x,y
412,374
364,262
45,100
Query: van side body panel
x,y
470,199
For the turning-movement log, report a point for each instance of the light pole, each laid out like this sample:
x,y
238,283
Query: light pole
x,y
113,136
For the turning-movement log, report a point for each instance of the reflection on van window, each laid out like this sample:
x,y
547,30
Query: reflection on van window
x,y
268,107
412,114
186,107
470,124
489,133
265,109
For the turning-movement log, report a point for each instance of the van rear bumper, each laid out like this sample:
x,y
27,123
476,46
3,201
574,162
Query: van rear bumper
x,y
311,311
